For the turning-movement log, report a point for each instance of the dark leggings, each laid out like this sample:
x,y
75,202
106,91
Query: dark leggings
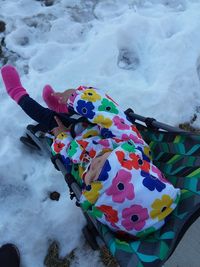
x,y
43,116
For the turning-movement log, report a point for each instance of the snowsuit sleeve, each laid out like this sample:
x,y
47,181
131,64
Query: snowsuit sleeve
x,y
102,110
60,145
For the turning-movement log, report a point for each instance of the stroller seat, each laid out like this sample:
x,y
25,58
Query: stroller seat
x,y
177,154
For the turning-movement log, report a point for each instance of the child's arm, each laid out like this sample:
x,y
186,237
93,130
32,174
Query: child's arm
x,y
62,138
100,109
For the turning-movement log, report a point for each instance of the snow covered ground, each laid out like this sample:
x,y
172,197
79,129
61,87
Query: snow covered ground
x,y
145,53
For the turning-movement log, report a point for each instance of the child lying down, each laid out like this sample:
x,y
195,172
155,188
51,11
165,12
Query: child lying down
x,y
121,187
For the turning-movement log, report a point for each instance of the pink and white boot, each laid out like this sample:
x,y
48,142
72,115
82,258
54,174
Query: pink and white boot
x,y
12,83
52,100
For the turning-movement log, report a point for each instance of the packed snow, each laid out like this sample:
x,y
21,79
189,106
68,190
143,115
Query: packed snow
x,y
144,53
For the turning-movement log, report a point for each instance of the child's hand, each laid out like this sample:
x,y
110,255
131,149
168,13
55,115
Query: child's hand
x,y
60,129
62,97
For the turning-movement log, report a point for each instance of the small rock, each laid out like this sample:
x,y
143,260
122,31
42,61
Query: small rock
x,y
49,2
2,26
54,196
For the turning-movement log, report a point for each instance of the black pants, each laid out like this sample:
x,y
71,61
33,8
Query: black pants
x,y
43,116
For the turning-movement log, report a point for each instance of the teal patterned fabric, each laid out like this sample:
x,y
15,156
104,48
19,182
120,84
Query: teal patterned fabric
x,y
178,156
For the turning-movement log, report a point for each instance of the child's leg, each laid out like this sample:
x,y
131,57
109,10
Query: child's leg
x,y
38,113
12,83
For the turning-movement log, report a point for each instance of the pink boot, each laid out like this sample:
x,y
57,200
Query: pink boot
x,y
52,101
12,83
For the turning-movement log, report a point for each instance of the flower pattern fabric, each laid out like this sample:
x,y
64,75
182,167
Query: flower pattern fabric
x,y
130,194
151,182
108,106
85,109
120,123
110,214
134,217
161,207
121,188
90,95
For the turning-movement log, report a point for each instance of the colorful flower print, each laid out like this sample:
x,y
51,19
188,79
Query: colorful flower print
x,y
92,192
82,88
160,174
161,207
105,133
134,128
117,140
104,143
80,170
134,161
90,95
95,212
83,144
105,122
85,109
152,183
147,152
144,156
90,133
103,176
121,188
76,172
134,217
129,146
72,148
111,215
108,106
61,136
139,163
92,153
85,205
105,150
119,122
58,146
72,98
132,137
84,157
67,162
111,99
124,161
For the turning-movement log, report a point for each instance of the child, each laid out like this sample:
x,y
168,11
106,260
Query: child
x,y
121,187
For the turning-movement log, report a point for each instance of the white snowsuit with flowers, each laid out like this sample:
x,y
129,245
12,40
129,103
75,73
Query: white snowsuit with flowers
x,y
131,194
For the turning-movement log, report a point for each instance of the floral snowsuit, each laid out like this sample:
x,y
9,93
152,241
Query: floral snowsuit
x,y
130,194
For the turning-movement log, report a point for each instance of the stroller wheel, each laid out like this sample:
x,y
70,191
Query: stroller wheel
x,y
90,238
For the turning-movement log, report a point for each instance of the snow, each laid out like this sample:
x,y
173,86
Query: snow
x,y
144,53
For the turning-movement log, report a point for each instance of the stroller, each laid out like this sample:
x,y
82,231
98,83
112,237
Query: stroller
x,y
177,154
